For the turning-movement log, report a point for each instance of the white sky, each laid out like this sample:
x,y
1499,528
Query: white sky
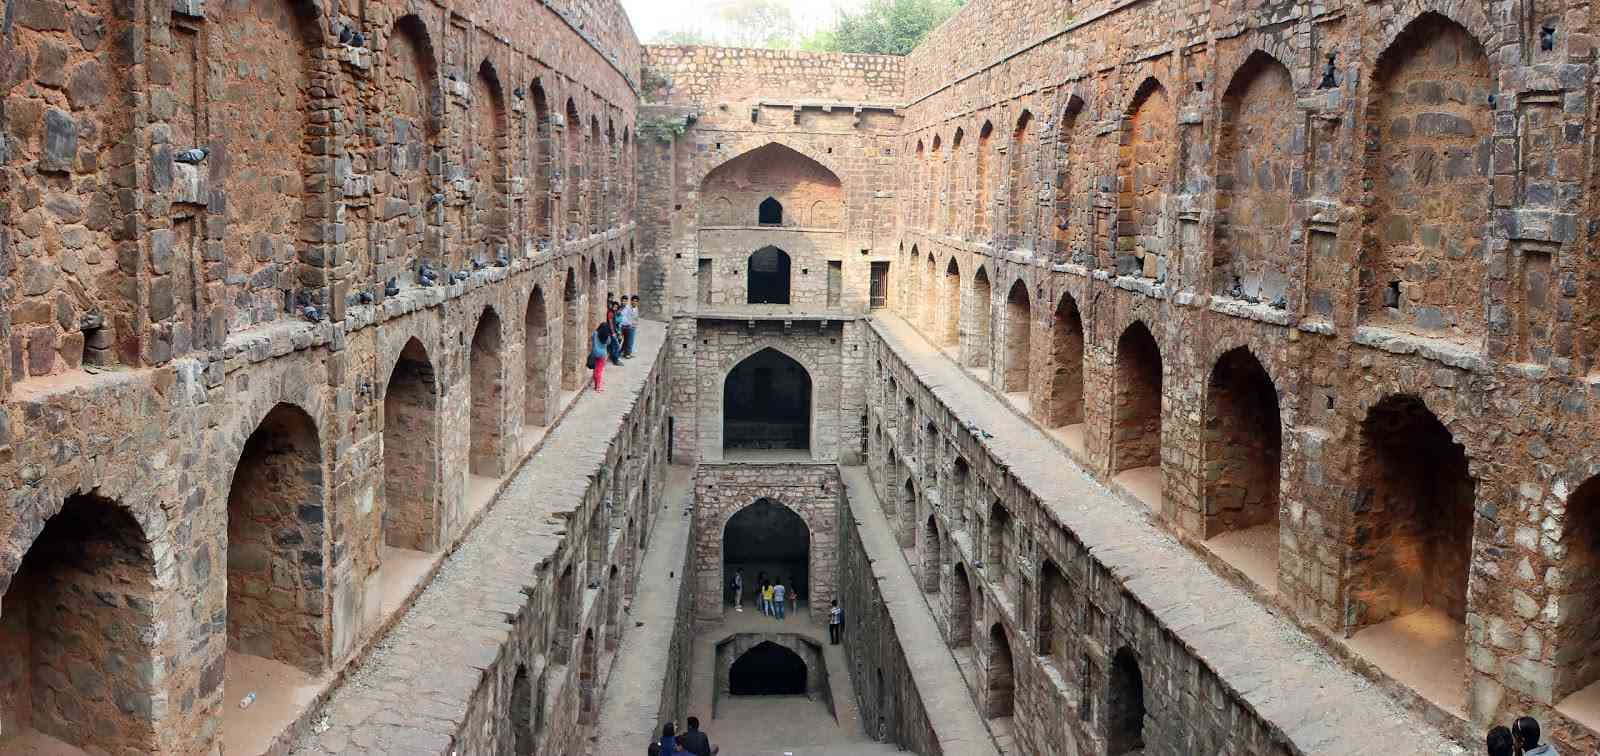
x,y
651,17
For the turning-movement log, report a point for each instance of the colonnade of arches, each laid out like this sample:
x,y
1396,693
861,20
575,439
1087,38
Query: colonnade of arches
x,y
80,612
984,190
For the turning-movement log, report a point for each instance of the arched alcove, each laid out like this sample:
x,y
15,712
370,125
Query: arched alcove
x,y
767,537
960,607
1002,677
574,340
1255,160
767,277
1242,450
1136,434
1019,329
770,212
487,400
488,164
977,346
762,182
82,607
536,360
1125,705
951,308
768,669
276,535
411,461
1066,358
766,404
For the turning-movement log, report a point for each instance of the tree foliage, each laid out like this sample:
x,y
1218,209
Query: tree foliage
x,y
884,27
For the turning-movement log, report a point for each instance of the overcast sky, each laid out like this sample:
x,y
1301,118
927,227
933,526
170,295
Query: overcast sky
x,y
651,17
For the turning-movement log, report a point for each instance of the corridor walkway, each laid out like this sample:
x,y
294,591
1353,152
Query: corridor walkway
x,y
411,694
1276,668
954,714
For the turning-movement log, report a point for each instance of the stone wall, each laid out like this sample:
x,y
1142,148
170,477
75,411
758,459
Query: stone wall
x,y
702,75
811,491
1167,300
892,705
708,349
817,132
209,343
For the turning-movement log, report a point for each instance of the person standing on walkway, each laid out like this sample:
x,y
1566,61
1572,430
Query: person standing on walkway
x,y
597,353
694,741
628,318
766,600
778,598
1526,732
614,344
835,623
794,599
1499,742
738,590
669,739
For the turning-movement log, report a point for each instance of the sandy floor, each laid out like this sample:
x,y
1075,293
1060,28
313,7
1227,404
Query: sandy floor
x,y
762,725
1583,707
36,743
1072,436
1425,651
401,570
480,491
282,694
1144,483
1253,551
1019,399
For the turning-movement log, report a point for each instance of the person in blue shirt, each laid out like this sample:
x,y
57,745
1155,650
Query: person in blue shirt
x,y
628,318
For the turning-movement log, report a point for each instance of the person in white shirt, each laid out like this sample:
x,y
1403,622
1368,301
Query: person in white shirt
x,y
628,318
835,623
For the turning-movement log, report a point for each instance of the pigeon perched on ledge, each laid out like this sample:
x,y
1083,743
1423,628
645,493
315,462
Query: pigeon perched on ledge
x,y
311,313
391,287
193,155
477,264
503,260
365,297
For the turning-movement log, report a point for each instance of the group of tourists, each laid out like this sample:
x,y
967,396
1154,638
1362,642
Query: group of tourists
x,y
1522,737
771,596
613,338
691,741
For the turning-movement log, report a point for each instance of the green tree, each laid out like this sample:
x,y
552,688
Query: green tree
x,y
884,27
682,37
758,23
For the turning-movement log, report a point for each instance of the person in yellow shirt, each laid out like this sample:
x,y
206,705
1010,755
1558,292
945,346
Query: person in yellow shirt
x,y
766,600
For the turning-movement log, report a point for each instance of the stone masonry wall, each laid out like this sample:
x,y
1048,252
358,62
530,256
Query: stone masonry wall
x,y
180,330
1407,264
811,491
816,131
829,351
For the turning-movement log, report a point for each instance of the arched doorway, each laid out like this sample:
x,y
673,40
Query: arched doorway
x,y
487,400
1409,570
770,213
1019,329
536,361
1066,356
977,347
960,608
1136,429
81,607
1125,705
1053,606
575,343
930,555
766,404
1242,449
767,277
952,305
768,669
522,716
275,543
768,538
1002,680
411,463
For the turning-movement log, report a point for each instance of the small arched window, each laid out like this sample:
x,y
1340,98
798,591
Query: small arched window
x,y
770,213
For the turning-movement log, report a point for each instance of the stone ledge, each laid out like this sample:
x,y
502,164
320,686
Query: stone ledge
x,y
1454,354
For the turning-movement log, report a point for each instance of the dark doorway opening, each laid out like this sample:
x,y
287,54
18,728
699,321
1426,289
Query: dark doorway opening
x,y
766,404
878,288
767,537
768,670
1126,702
768,276
770,213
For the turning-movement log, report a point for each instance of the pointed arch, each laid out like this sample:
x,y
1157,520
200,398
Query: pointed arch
x,y
978,337
412,466
767,403
950,312
1019,338
536,351
1256,154
1145,163
768,276
1018,182
277,541
1136,432
543,158
960,607
1066,399
487,401
952,179
574,339
1002,675
412,97
82,605
491,175
980,211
